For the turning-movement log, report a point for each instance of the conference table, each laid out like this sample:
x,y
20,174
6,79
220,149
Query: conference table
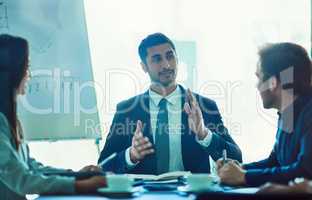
x,y
175,189
235,194
145,196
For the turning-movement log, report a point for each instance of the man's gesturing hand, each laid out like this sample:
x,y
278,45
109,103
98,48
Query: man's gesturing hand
x,y
195,116
141,146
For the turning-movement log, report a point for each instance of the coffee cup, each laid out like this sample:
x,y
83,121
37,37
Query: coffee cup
x,y
198,182
119,183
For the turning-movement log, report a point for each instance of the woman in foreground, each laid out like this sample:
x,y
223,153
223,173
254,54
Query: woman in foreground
x,y
20,174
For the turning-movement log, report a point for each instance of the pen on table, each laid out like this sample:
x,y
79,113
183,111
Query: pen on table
x,y
106,160
224,156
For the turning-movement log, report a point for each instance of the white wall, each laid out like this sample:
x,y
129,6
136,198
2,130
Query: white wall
x,y
227,35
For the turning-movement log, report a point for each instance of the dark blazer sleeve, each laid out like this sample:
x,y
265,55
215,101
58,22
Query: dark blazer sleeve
x,y
221,138
283,174
117,141
271,161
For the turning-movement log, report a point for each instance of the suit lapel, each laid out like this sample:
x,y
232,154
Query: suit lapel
x,y
149,162
145,116
185,137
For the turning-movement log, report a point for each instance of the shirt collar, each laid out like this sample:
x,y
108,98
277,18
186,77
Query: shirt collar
x,y
173,98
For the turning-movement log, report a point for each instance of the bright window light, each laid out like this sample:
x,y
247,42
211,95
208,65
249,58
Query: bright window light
x,y
225,35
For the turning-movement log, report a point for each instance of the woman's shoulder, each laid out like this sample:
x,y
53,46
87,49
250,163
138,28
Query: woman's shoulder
x,y
3,119
4,125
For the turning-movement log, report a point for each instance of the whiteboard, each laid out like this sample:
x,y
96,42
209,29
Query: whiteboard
x,y
60,102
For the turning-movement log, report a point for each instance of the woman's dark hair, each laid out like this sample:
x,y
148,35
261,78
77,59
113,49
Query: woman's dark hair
x,y
277,58
13,68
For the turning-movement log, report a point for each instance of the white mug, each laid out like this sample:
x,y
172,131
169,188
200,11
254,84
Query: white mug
x,y
119,182
200,181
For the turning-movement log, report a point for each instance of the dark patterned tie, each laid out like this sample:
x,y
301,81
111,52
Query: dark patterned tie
x,y
162,138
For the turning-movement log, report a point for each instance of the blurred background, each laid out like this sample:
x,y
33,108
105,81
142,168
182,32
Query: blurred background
x,y
218,43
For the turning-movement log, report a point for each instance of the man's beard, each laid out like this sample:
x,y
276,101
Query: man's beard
x,y
267,100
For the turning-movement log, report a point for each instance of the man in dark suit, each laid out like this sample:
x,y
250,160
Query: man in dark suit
x,y
167,128
284,83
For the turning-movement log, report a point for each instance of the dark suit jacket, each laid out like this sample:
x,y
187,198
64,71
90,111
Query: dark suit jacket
x,y
195,157
291,156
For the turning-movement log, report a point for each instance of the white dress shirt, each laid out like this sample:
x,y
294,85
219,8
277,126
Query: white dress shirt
x,y
174,107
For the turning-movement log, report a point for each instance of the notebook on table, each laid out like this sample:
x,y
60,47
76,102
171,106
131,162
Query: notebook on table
x,y
162,177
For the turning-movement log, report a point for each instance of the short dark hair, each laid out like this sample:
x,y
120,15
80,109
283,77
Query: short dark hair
x,y
278,57
153,40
